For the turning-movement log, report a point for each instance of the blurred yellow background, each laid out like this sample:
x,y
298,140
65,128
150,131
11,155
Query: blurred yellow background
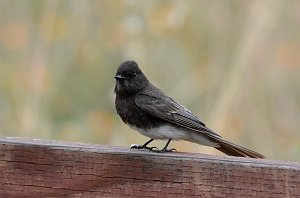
x,y
235,64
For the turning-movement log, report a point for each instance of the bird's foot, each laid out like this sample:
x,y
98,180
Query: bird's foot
x,y
165,150
138,147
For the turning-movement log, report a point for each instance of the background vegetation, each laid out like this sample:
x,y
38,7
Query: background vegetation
x,y
235,64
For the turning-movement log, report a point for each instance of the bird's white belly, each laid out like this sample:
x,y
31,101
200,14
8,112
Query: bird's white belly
x,y
175,133
163,132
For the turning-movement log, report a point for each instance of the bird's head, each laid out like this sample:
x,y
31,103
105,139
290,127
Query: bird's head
x,y
129,79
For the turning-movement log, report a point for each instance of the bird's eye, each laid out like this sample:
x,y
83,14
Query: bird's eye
x,y
130,75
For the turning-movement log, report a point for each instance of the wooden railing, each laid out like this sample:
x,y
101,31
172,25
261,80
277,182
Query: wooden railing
x,y
43,168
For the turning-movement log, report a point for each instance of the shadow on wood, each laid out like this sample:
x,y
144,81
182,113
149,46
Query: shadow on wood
x,y
42,168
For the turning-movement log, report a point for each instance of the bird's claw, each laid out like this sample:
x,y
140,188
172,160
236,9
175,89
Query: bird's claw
x,y
138,146
153,148
165,150
171,150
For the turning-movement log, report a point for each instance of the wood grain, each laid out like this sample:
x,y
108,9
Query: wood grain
x,y
43,168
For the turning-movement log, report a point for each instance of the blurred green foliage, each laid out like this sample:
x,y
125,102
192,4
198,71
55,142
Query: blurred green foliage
x,y
233,63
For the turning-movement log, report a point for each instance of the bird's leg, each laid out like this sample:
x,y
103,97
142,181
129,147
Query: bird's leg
x,y
144,146
165,148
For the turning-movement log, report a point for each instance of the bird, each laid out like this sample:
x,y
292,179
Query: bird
x,y
148,110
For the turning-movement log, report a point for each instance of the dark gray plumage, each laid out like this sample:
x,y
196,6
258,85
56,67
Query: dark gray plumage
x,y
151,112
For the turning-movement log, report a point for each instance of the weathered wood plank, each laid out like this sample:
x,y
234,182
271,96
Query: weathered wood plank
x,y
42,168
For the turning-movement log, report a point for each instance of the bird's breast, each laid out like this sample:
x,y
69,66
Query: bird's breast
x,y
134,116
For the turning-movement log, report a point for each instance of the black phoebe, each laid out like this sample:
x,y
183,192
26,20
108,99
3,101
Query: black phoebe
x,y
151,112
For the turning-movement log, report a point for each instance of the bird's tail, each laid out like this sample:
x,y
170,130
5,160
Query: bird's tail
x,y
232,149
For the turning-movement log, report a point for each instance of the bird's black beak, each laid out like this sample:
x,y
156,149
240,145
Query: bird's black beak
x,y
119,77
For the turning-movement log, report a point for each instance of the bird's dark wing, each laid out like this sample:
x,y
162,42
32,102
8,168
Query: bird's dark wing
x,y
159,105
